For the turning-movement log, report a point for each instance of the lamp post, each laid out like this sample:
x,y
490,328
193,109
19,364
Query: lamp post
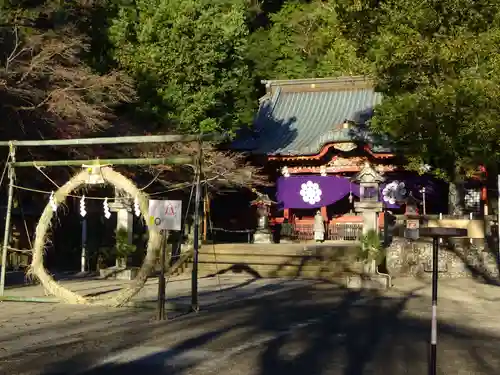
x,y
423,201
436,234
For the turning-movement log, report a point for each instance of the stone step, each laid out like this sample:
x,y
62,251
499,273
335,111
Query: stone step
x,y
305,274
329,260
278,259
276,270
279,249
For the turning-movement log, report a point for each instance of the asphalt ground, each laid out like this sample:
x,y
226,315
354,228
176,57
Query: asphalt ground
x,y
312,328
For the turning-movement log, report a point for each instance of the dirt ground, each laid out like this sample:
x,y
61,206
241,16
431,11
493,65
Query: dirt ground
x,y
243,320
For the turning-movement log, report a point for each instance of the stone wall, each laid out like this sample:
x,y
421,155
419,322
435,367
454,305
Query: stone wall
x,y
457,258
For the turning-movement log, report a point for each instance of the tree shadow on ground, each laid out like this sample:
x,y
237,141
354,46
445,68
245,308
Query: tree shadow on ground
x,y
313,330
238,268
324,262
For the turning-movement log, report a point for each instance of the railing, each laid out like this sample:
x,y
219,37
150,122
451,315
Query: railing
x,y
231,235
303,231
350,230
345,231
335,231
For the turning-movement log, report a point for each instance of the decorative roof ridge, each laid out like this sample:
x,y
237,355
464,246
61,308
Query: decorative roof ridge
x,y
319,84
315,80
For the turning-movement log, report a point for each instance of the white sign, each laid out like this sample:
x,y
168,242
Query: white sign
x,y
165,214
412,224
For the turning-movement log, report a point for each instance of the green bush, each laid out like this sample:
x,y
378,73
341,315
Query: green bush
x,y
122,248
372,248
286,230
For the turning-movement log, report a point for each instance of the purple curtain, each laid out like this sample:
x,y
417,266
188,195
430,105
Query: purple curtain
x,y
414,185
312,191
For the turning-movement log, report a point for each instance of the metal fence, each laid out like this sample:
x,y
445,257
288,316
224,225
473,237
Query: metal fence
x,y
303,232
334,231
345,231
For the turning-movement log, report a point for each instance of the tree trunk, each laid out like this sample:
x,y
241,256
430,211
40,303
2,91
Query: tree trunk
x,y
491,184
455,199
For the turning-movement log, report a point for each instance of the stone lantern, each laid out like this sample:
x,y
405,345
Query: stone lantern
x,y
369,205
124,221
263,204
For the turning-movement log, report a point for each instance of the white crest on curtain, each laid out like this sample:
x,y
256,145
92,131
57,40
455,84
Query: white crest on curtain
x,y
310,192
394,191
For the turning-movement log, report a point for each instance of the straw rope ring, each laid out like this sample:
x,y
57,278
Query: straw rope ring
x,y
38,270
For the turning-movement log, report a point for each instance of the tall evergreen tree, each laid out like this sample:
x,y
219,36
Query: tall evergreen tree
x,y
438,64
189,60
302,40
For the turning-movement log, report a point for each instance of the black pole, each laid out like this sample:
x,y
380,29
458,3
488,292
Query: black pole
x,y
196,245
161,280
433,349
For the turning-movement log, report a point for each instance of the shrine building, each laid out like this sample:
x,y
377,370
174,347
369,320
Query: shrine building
x,y
311,136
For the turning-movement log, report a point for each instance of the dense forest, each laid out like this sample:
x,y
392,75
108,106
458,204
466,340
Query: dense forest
x,y
111,67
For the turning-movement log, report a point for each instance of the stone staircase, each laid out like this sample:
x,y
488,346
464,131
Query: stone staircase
x,y
329,260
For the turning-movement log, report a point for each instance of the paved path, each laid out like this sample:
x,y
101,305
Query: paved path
x,y
291,329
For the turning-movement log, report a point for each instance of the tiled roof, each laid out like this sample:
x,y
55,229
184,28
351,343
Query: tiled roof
x,y
300,117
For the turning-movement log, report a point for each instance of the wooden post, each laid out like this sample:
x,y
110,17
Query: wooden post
x,y
83,255
484,198
161,280
324,213
206,213
196,245
6,235
498,211
172,160
117,140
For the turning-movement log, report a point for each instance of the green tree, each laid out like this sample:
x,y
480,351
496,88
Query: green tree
x,y
438,64
188,58
305,39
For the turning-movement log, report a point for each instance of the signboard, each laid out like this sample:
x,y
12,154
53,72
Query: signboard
x,y
412,224
412,229
165,214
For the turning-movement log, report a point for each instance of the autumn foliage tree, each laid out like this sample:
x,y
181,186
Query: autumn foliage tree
x,y
72,70
47,87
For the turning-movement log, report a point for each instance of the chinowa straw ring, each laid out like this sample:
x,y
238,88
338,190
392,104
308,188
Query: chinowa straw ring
x,y
38,270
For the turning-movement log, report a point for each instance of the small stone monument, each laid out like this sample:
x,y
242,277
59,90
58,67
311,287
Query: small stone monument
x,y
263,204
